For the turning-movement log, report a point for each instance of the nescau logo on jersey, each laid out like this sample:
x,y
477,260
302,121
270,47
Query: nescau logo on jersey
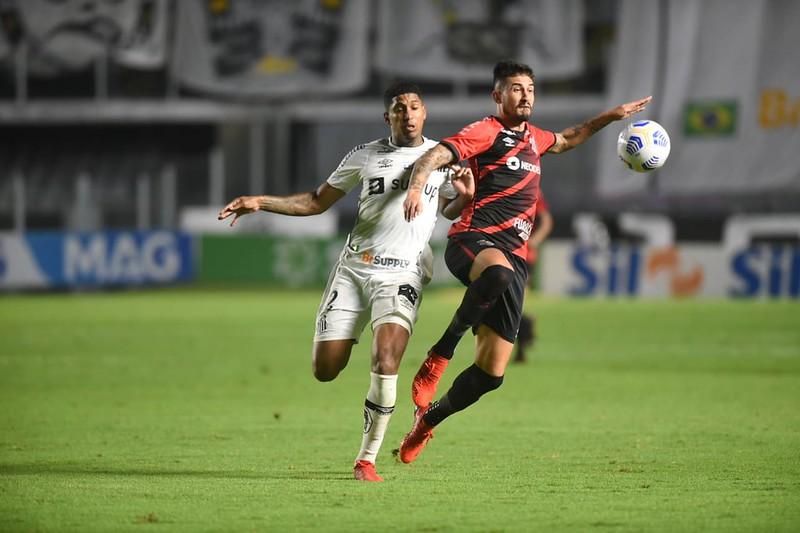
x,y
408,292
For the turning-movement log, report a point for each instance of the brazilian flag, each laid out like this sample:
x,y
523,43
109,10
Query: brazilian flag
x,y
710,118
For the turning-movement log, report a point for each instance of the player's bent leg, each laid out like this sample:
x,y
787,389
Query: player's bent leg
x,y
329,358
486,375
490,275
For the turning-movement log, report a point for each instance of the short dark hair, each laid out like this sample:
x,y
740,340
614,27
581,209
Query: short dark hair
x,y
506,69
396,89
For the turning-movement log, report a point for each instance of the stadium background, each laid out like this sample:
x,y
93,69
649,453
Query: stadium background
x,y
663,391
147,115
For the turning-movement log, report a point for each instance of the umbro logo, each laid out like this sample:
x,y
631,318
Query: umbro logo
x,y
385,163
508,141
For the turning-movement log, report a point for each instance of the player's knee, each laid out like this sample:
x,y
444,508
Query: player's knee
x,y
324,372
495,280
386,360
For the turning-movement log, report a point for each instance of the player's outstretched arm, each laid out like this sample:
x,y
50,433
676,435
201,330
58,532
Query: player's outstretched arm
x,y
436,157
302,204
576,135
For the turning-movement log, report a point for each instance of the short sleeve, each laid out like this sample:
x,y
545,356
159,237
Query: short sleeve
x,y
348,174
472,139
544,139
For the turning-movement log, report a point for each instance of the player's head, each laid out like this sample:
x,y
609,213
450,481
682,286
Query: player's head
x,y
513,91
405,113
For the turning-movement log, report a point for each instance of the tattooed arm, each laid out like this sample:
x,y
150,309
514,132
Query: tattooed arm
x,y
436,157
575,135
302,204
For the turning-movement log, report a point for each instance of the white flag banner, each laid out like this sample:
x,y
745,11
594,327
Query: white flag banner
x,y
463,39
69,35
633,74
726,87
272,47
145,46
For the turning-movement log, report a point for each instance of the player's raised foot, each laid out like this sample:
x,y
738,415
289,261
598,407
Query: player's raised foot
x,y
365,471
423,388
416,439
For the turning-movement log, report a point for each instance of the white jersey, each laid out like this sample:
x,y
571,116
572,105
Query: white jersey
x,y
381,236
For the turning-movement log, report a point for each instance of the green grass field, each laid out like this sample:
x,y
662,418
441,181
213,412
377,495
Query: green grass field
x,y
192,410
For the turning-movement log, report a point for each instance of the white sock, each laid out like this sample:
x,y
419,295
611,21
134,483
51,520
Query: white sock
x,y
378,409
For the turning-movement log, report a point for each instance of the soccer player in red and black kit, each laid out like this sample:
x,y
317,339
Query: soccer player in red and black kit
x,y
487,248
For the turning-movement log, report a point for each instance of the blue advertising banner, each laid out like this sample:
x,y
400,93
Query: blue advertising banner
x,y
97,259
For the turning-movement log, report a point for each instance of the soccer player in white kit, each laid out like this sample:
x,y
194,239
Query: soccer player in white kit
x,y
381,271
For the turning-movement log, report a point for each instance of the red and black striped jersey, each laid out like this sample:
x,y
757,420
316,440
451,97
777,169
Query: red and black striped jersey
x,y
506,166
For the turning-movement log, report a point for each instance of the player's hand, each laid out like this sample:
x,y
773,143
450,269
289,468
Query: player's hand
x,y
463,181
412,206
239,207
625,110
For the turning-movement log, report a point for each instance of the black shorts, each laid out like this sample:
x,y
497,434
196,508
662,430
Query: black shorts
x,y
505,315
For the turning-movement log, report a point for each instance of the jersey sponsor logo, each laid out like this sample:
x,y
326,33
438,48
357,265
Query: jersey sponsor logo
x,y
515,163
408,292
376,186
384,261
523,227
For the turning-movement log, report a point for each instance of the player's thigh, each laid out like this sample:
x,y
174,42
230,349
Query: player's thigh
x,y
505,315
343,310
486,258
492,351
395,298
467,256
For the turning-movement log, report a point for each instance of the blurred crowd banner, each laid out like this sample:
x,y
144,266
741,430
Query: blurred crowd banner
x,y
272,47
65,36
759,257
462,39
282,261
53,260
726,81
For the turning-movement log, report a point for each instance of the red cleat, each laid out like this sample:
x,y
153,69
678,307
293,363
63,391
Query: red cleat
x,y
416,439
365,471
423,388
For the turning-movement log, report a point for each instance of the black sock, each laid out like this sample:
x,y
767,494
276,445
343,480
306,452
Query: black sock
x,y
479,297
467,388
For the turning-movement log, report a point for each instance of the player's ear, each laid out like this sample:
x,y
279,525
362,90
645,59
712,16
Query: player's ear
x,y
386,117
496,96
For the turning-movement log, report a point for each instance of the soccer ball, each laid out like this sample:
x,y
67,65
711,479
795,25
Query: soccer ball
x,y
643,145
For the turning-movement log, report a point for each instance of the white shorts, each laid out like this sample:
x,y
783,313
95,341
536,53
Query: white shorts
x,y
358,293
